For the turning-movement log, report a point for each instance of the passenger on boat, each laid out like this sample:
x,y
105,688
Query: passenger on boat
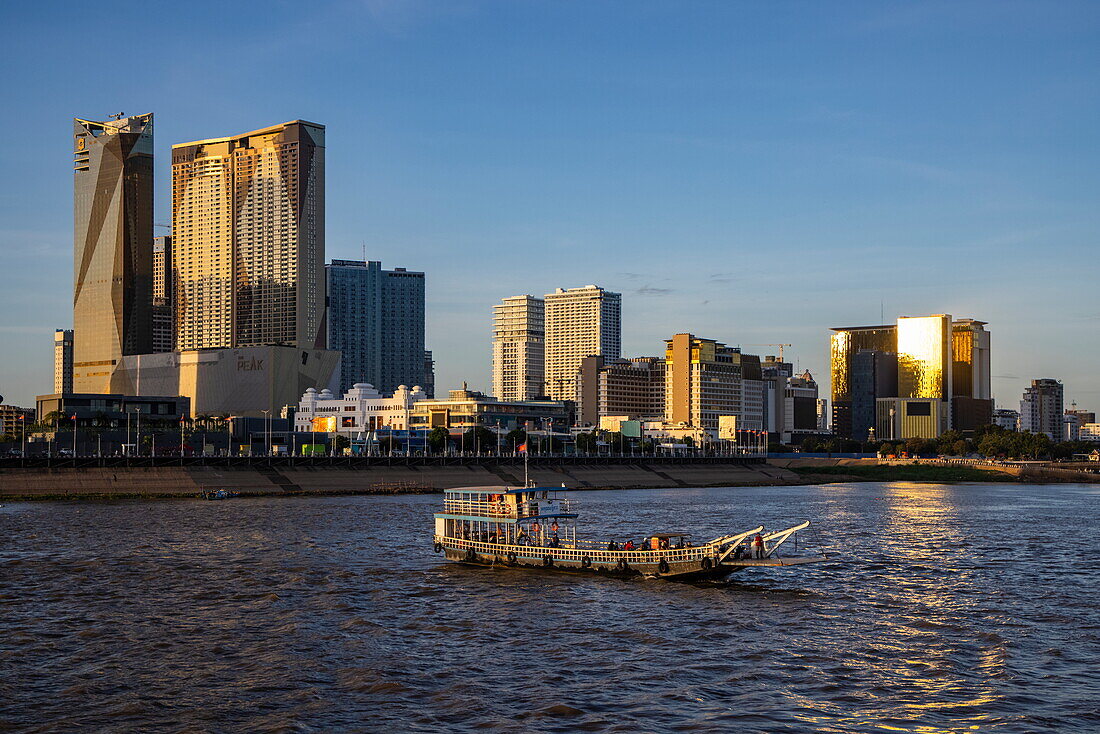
x,y
738,552
612,546
628,546
758,545
663,544
555,542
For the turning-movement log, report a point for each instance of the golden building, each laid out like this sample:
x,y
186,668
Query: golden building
x,y
844,344
705,380
113,242
248,239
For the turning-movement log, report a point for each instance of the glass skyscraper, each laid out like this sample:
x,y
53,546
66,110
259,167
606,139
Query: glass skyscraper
x,y
376,320
113,245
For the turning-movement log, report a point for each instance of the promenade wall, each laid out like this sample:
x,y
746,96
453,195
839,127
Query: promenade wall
x,y
266,479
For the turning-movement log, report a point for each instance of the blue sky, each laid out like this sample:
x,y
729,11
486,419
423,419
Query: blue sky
x,y
750,172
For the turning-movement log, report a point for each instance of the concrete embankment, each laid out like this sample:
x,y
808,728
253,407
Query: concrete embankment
x,y
291,479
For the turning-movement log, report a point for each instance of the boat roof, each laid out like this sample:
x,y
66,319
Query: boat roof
x,y
505,490
670,535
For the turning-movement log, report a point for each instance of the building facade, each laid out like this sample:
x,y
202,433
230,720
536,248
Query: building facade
x,y
630,388
63,360
429,374
799,408
1041,408
113,237
902,418
376,321
360,410
15,420
844,344
519,341
972,392
163,339
248,239
705,379
580,322
111,410
1006,418
242,382
874,375
465,409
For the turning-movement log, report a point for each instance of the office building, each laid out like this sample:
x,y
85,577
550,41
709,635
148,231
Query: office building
x,y
63,360
627,388
519,336
1084,417
1089,432
465,409
113,237
242,382
376,321
775,373
799,408
823,415
924,367
110,410
360,410
163,339
844,344
429,374
971,397
248,239
874,375
1006,418
14,421
1071,428
1041,408
580,322
705,379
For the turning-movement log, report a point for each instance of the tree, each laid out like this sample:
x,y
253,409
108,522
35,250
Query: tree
x,y
437,439
586,442
52,418
479,439
810,445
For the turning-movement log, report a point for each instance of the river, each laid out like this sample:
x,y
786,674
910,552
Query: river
x,y
943,608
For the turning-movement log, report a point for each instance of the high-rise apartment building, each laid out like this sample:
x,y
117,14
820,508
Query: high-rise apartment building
x,y
376,320
580,322
705,379
429,374
519,335
248,239
113,235
63,361
1041,408
163,339
632,388
1006,418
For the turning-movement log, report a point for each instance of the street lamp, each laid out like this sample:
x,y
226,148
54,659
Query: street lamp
x,y
267,437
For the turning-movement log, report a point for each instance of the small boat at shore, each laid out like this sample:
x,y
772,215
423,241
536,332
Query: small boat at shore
x,y
219,494
535,527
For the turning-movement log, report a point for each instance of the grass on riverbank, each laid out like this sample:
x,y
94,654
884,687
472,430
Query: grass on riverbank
x,y
903,473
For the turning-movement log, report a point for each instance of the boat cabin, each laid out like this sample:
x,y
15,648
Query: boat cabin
x,y
510,516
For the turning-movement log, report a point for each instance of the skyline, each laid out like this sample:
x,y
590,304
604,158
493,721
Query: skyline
x,y
752,208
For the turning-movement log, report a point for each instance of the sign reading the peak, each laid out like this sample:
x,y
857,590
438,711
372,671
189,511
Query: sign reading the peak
x,y
249,364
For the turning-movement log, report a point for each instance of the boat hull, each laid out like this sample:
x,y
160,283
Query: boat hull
x,y
697,564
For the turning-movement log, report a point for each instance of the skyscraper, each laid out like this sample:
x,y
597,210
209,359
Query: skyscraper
x,y
705,379
580,322
972,397
845,343
1041,408
248,239
376,320
113,236
162,294
519,336
63,361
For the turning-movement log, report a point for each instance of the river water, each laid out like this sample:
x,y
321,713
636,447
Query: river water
x,y
945,608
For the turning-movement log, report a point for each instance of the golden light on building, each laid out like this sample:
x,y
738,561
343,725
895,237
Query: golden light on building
x,y
924,356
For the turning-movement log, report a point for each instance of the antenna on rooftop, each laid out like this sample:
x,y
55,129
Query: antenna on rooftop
x,y
117,115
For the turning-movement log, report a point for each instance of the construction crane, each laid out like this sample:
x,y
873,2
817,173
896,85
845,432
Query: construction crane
x,y
772,345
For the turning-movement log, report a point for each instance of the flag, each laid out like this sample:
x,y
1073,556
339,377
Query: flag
x,y
522,448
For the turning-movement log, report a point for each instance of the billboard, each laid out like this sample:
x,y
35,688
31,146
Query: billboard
x,y
324,424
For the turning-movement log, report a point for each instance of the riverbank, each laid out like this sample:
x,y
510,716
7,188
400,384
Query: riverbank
x,y
284,477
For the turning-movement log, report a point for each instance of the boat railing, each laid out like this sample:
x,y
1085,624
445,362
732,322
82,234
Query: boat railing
x,y
499,509
595,554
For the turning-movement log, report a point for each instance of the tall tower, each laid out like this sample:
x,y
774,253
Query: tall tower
x,y
580,322
518,348
112,246
162,294
63,361
248,238
376,321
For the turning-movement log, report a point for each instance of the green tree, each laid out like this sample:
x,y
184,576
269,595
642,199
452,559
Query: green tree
x,y
810,445
437,439
585,442
479,439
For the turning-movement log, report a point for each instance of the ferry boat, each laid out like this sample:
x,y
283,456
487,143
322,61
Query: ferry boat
x,y
536,527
